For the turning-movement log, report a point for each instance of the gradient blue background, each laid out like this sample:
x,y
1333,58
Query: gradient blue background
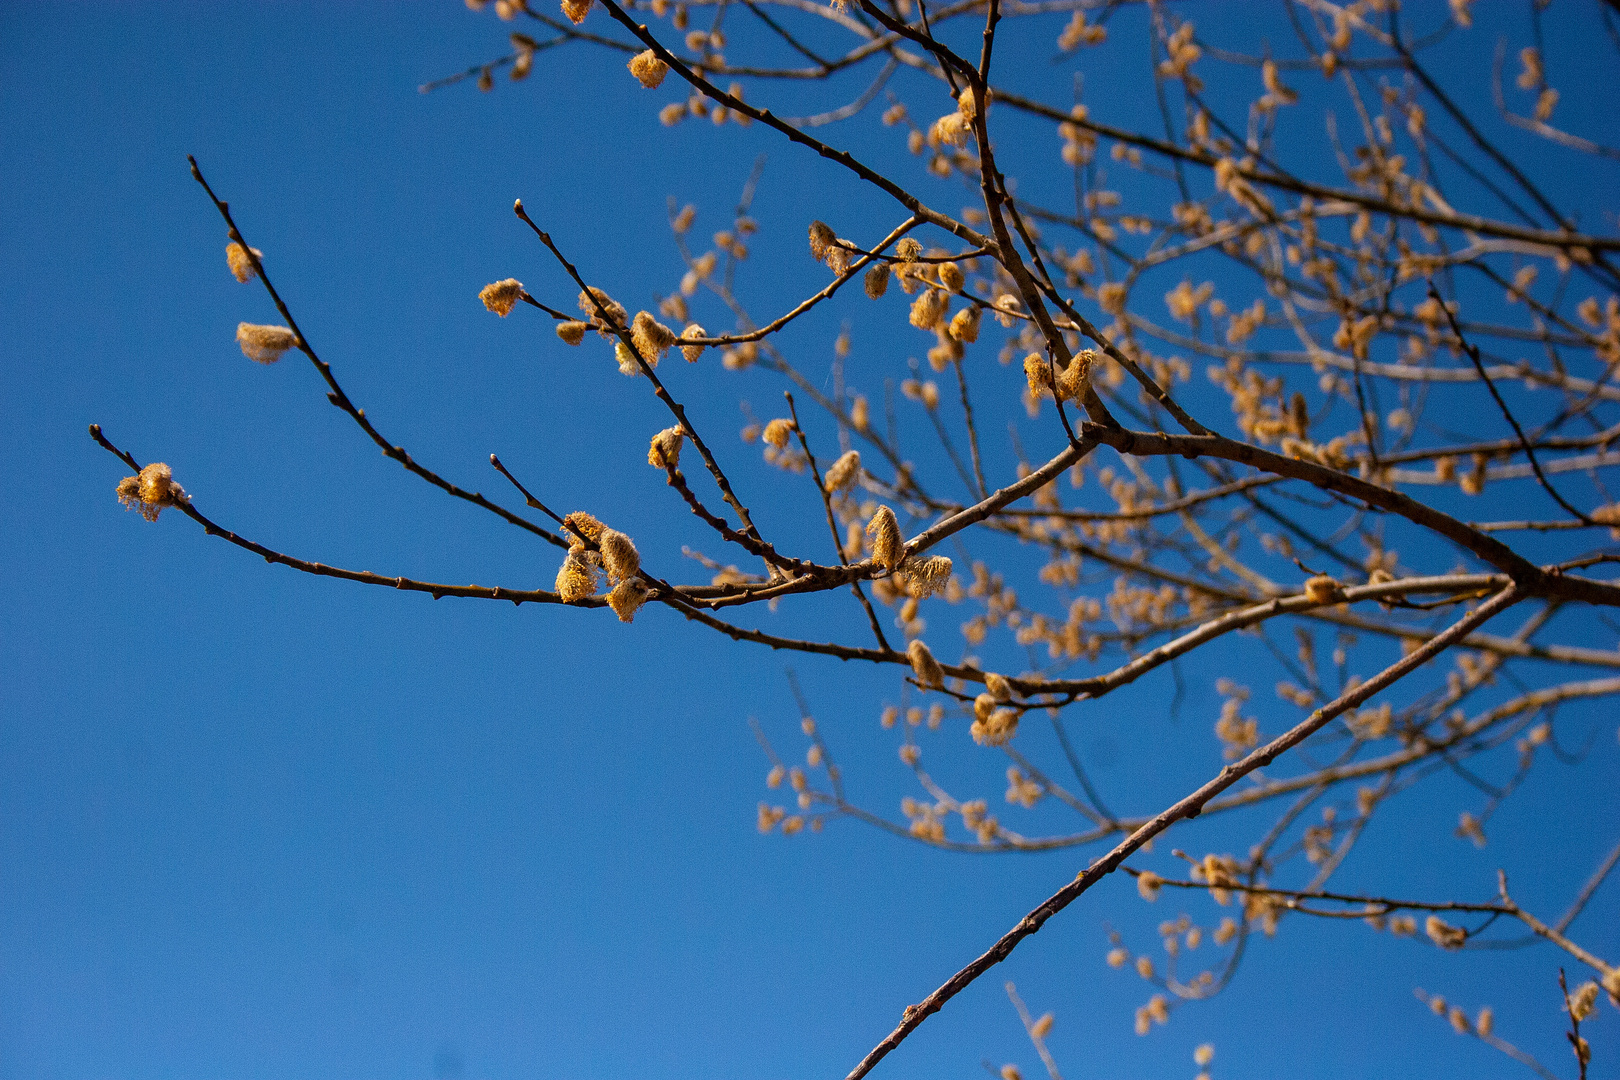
x,y
255,824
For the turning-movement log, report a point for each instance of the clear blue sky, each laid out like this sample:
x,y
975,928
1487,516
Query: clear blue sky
x,y
259,825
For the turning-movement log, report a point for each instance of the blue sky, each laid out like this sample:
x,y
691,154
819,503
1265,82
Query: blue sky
x,y
255,824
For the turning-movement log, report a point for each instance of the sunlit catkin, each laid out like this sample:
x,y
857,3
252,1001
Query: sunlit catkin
x,y
924,666
264,344
1148,885
965,325
576,578
998,686
778,431
579,524
925,577
652,338
665,449
501,296
887,546
627,597
997,729
1444,934
1322,589
572,331
648,69
619,556
844,471
692,352
822,239
1075,380
150,490
236,256
928,309
951,277
877,280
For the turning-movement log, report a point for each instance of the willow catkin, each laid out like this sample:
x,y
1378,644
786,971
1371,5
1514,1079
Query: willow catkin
x,y
648,69
1039,375
576,10
692,352
264,344
999,687
572,331
844,471
964,325
579,523
876,282
150,490
1075,380
778,431
1322,589
627,597
602,311
887,546
928,309
996,729
822,240
576,578
951,277
924,666
236,257
925,577
651,337
620,558
665,449
501,296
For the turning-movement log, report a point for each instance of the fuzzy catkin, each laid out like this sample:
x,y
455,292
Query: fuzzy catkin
x,y
778,431
648,69
692,352
924,666
651,337
620,558
576,578
928,309
844,471
887,547
877,280
572,331
264,344
627,597
579,523
150,490
665,449
236,257
501,296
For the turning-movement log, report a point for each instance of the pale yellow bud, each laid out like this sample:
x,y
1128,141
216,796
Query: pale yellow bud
x,y
264,344
236,257
648,69
778,431
929,674
501,296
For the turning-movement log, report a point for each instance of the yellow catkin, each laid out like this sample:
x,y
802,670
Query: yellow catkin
x,y
925,577
576,10
1041,1028
692,352
665,450
1443,933
996,729
576,578
965,325
579,523
1075,380
627,597
778,431
619,555
887,546
651,337
1148,885
877,280
1039,375
264,344
572,331
648,69
594,303
1322,589
150,490
924,666
236,256
501,296
822,239
845,471
998,686
951,277
928,309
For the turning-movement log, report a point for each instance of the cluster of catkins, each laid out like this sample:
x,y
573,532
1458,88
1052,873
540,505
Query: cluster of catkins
x,y
594,547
